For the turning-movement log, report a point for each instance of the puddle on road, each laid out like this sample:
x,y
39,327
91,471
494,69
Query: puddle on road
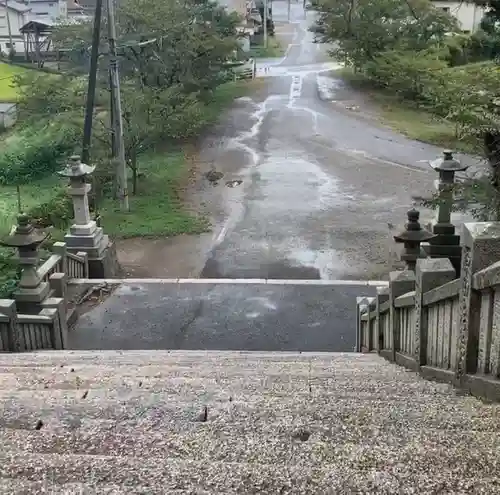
x,y
290,182
276,270
328,87
327,262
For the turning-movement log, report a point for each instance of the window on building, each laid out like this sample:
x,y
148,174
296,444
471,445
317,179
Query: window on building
x,y
446,9
43,13
8,45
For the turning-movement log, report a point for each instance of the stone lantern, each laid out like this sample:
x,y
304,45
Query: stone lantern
x,y
77,173
446,244
411,238
85,235
26,239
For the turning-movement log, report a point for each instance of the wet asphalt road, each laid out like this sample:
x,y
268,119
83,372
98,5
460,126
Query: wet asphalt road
x,y
223,316
321,185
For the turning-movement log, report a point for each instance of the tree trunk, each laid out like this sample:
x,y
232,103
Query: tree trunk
x,y
492,148
133,164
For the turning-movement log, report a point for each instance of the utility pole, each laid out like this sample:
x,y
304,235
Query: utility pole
x,y
9,29
94,58
289,8
265,23
114,150
121,166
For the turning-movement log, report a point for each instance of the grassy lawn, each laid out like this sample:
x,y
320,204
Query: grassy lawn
x,y
405,117
157,209
7,72
31,195
273,49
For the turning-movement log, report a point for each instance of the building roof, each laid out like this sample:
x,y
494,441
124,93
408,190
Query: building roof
x,y
7,107
37,25
17,6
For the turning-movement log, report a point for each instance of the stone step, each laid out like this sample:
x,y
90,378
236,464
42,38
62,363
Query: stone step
x,y
359,469
276,423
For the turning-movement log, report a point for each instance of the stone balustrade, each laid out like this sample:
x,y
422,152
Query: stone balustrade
x,y
38,315
445,327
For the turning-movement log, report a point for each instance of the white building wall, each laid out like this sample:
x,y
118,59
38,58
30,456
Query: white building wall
x,y
469,15
45,11
17,20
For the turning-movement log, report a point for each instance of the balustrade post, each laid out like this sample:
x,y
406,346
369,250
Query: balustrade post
x,y
430,273
61,249
370,310
360,305
400,283
8,308
480,248
381,297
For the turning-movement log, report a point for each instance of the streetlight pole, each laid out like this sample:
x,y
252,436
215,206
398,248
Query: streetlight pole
x,y
265,23
119,151
94,58
9,29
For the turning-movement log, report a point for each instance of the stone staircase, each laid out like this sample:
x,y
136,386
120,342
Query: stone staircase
x,y
193,422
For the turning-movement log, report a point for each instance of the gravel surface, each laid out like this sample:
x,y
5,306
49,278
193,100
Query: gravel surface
x,y
220,423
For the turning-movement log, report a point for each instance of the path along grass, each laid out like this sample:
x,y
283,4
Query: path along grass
x,y
156,210
403,116
274,49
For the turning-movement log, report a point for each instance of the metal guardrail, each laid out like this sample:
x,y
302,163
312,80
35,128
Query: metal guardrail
x,y
246,71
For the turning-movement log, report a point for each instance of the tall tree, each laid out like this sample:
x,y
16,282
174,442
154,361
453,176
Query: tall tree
x,y
362,29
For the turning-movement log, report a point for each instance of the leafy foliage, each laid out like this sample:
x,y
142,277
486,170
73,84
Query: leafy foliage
x,y
57,212
36,151
407,73
362,30
417,52
173,56
8,272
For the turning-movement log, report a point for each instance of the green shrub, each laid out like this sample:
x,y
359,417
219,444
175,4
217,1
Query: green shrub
x,y
484,46
36,152
57,212
9,272
409,74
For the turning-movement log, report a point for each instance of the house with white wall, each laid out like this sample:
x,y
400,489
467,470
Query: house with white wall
x,y
75,11
468,14
47,10
18,16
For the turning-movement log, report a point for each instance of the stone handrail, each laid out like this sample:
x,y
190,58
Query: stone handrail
x,y
43,325
29,332
77,265
445,327
405,313
73,265
52,265
405,300
442,293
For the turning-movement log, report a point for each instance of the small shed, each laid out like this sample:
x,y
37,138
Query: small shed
x,y
36,39
8,115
